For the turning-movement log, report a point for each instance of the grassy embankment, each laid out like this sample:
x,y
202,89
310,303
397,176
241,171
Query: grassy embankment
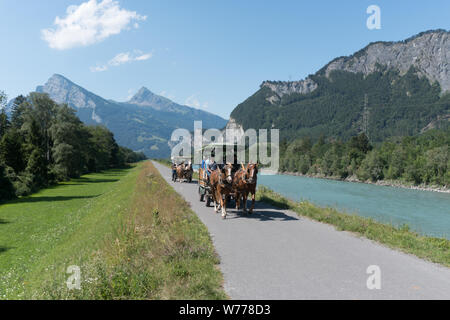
x,y
129,232
429,248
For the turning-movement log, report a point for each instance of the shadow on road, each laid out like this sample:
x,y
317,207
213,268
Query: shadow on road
x,y
267,216
262,212
194,181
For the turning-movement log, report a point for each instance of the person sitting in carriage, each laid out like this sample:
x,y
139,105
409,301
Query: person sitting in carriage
x,y
174,169
211,166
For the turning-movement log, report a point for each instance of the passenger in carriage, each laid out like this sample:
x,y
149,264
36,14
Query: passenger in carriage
x,y
203,166
174,169
211,166
207,162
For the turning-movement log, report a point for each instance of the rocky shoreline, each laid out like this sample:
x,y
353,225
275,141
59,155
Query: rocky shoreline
x,y
389,183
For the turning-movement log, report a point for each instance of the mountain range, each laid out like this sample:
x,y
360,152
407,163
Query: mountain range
x,y
385,89
144,123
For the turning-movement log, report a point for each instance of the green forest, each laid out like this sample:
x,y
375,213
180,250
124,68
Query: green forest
x,y
420,159
43,143
380,126
383,104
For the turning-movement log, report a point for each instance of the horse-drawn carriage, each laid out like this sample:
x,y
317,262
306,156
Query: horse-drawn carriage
x,y
228,181
182,169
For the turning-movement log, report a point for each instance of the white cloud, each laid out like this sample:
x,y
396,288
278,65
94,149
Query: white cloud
x,y
144,57
167,95
122,58
98,68
119,59
131,93
193,101
89,23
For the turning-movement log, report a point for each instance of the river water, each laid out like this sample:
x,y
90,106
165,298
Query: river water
x,y
423,211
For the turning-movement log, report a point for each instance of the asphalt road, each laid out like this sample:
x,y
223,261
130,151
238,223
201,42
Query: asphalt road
x,y
275,254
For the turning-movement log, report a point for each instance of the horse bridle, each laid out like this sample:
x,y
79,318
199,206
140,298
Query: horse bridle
x,y
228,173
252,172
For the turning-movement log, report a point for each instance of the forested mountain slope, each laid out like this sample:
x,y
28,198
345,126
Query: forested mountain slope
x,y
386,89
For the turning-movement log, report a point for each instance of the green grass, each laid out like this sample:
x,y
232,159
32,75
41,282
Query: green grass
x,y
402,238
110,225
39,231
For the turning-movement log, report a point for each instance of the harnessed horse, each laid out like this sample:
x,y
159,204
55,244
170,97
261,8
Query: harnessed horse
x,y
252,169
221,186
240,186
185,171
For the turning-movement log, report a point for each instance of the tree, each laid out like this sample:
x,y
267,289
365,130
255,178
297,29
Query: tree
x,y
361,143
6,187
436,164
69,137
11,150
37,164
104,151
371,167
4,123
17,110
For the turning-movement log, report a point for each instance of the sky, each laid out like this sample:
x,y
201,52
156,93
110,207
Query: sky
x,y
208,54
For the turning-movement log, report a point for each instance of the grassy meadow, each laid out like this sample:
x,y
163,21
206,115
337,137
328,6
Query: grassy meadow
x,y
129,232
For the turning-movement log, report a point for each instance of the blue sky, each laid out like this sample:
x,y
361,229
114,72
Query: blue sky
x,y
206,53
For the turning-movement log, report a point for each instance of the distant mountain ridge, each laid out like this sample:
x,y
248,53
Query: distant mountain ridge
x,y
385,89
144,123
428,52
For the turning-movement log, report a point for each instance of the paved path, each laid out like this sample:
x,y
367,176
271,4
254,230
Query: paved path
x,y
274,254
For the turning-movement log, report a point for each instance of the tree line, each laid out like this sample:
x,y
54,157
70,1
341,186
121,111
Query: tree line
x,y
420,159
43,142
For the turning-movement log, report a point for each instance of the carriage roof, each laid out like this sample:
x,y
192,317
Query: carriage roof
x,y
180,158
218,144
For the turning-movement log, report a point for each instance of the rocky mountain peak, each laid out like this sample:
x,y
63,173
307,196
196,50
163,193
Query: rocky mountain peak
x,y
428,52
143,97
62,90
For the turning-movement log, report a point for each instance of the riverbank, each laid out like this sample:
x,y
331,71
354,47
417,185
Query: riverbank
x,y
401,238
388,183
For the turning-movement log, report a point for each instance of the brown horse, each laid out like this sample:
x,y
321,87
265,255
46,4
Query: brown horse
x,y
221,187
184,171
180,171
240,186
252,169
